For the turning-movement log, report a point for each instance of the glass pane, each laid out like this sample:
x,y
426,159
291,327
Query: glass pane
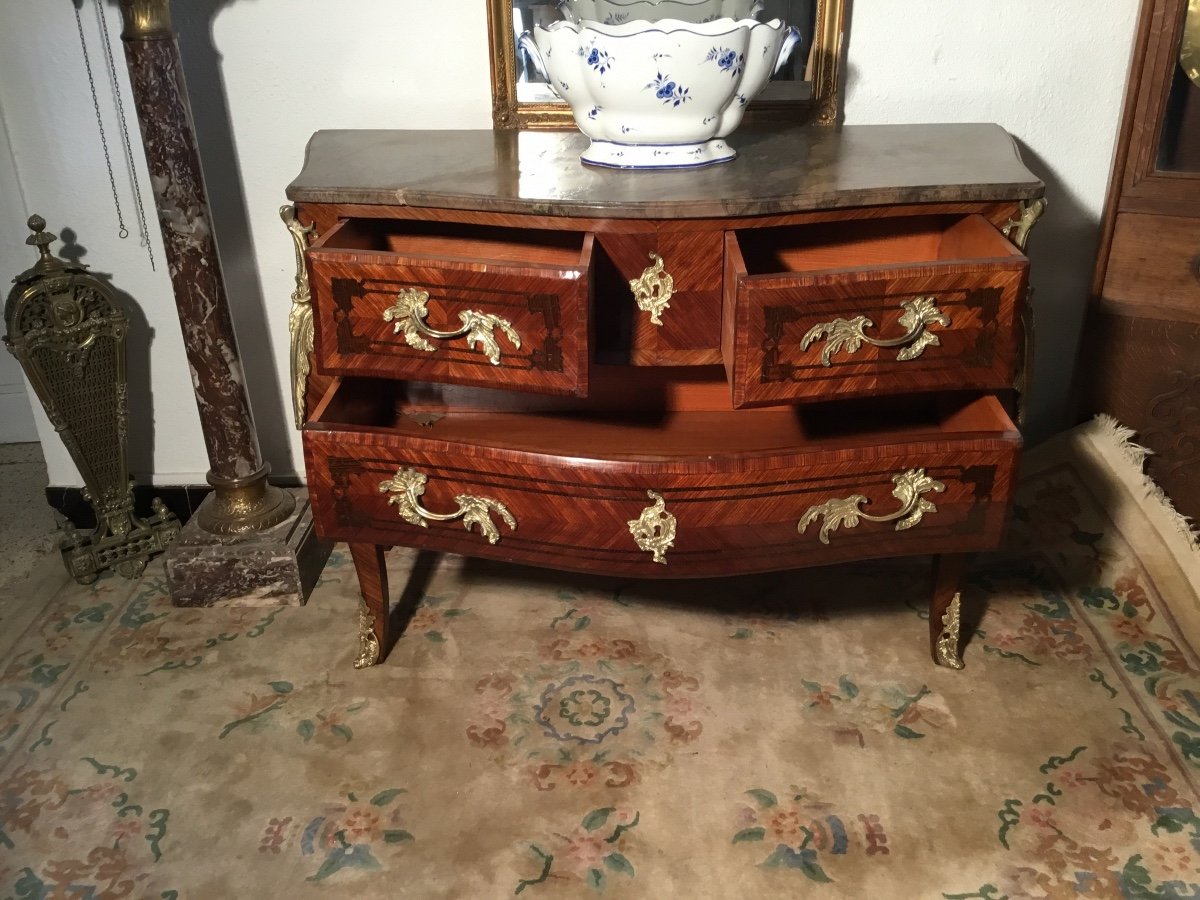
x,y
1179,143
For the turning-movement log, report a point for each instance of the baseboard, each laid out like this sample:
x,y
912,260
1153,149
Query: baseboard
x,y
181,499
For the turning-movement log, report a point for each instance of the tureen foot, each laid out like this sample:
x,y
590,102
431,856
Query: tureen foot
x,y
657,156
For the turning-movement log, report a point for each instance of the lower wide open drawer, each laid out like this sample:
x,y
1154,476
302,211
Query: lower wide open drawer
x,y
692,492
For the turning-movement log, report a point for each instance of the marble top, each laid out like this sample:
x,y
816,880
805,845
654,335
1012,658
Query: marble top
x,y
778,169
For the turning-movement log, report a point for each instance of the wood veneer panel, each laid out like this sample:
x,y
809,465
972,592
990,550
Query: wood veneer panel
x,y
690,331
737,483
1145,372
588,428
787,282
1154,267
537,282
442,240
327,214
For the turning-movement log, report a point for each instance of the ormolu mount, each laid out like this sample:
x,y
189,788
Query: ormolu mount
x,y
69,336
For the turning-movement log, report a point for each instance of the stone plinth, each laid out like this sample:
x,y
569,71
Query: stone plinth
x,y
277,566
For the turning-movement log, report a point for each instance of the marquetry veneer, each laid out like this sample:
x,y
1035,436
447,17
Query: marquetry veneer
x,y
825,379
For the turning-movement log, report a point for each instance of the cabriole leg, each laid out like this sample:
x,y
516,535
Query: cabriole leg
x,y
945,610
374,634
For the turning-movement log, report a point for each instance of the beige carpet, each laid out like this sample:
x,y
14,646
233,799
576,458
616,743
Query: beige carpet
x,y
551,735
29,528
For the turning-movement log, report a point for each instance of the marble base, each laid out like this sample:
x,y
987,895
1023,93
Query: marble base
x,y
612,155
278,566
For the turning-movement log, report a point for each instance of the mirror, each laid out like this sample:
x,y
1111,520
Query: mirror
x,y
807,89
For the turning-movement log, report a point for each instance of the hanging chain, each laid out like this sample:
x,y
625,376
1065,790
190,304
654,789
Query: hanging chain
x,y
106,46
87,62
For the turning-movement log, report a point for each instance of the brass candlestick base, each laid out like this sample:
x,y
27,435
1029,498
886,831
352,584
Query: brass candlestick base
x,y
245,504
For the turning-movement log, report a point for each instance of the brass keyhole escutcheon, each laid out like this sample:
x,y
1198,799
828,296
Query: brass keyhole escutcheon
x,y
653,289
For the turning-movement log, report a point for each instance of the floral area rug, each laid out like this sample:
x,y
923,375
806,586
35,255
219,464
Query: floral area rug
x,y
551,735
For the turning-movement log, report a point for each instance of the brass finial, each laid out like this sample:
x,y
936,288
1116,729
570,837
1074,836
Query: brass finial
x,y
40,238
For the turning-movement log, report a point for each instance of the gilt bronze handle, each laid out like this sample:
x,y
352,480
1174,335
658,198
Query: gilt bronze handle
x,y
409,312
848,511
407,486
849,334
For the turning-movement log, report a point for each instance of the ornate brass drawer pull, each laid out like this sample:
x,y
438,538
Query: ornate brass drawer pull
x,y
409,312
849,334
407,486
654,529
909,487
653,290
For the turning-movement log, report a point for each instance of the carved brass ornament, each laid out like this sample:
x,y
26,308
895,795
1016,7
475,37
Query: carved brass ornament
x,y
947,642
1017,230
368,643
69,334
409,312
849,334
300,319
909,487
654,529
407,486
653,289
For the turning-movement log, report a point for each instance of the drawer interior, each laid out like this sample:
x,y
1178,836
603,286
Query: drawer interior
x,y
643,413
457,241
871,243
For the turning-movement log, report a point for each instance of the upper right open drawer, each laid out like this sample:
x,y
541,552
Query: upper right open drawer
x,y
871,306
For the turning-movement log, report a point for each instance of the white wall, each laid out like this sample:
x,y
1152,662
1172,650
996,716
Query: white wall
x,y
1050,71
280,69
16,417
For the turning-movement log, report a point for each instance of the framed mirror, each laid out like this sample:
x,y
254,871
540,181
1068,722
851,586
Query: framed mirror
x,y
807,89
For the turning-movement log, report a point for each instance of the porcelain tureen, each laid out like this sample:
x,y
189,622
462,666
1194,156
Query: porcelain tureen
x,y
659,94
618,12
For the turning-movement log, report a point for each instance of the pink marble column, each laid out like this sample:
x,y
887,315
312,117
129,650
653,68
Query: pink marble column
x,y
242,499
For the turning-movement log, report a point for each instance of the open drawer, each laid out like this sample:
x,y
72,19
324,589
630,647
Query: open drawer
x,y
689,491
870,307
446,302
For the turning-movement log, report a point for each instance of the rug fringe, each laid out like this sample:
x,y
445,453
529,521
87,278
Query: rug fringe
x,y
1122,437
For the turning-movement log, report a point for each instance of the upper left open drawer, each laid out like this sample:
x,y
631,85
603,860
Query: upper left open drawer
x,y
447,302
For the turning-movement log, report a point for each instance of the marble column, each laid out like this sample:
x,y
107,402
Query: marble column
x,y
218,557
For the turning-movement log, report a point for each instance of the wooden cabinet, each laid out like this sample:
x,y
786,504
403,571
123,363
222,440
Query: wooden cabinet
x,y
1140,353
765,365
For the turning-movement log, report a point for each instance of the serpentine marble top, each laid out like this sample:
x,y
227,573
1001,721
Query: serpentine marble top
x,y
778,169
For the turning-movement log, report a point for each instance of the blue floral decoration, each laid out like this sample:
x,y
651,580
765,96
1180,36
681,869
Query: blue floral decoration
x,y
727,60
599,60
666,90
